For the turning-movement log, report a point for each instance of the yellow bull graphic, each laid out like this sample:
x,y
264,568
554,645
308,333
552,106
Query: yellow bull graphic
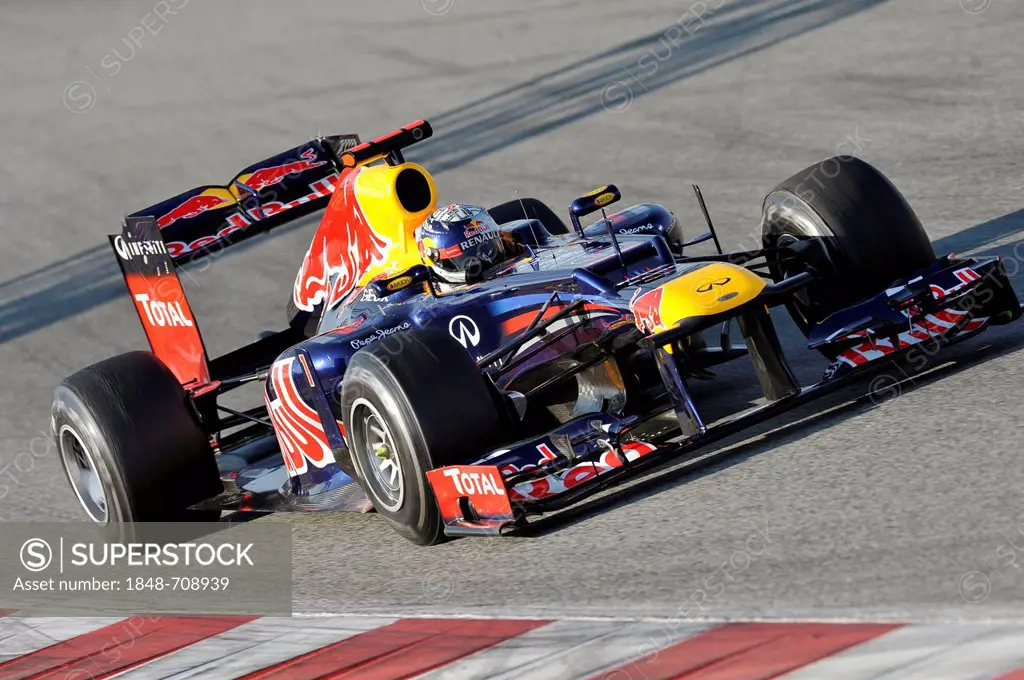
x,y
366,232
711,289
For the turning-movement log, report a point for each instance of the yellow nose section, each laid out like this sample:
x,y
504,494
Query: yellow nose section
x,y
711,289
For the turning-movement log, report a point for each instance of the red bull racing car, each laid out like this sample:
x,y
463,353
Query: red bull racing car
x,y
455,410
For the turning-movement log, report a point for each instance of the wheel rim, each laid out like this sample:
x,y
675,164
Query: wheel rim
x,y
80,467
788,269
791,220
375,446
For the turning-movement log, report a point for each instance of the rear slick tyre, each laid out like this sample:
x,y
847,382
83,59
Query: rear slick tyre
x,y
130,444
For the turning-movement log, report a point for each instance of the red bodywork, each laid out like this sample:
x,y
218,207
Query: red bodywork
x,y
345,246
482,487
170,325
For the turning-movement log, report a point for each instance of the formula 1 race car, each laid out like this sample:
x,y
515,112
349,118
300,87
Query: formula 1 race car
x,y
469,410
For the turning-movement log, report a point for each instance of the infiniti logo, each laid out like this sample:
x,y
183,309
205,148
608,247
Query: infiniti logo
x,y
464,330
708,287
128,250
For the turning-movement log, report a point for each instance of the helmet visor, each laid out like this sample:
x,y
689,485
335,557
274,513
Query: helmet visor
x,y
475,256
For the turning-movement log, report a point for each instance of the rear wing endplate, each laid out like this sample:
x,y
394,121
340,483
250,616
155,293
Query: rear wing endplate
x,y
160,301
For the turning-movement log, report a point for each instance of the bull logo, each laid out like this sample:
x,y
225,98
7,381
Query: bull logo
x,y
194,207
646,308
297,425
344,248
264,177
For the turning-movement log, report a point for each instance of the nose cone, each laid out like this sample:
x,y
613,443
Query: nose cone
x,y
711,289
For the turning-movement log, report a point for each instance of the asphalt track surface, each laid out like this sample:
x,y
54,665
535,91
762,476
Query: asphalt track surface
x,y
904,503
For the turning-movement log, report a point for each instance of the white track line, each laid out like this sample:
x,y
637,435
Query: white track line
x,y
994,652
252,646
565,649
24,635
894,654
939,618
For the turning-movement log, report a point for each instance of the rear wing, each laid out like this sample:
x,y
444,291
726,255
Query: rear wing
x,y
260,197
157,239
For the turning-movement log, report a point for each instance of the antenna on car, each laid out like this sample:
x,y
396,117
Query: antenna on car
x,y
615,241
707,218
526,216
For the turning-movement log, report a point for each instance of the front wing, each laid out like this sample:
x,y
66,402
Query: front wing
x,y
951,300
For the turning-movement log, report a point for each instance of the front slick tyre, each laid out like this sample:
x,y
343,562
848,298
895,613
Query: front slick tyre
x,y
412,403
867,235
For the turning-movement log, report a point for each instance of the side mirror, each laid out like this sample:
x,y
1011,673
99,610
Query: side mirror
x,y
593,201
417,274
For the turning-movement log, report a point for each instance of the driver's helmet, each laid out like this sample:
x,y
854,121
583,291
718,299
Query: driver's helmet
x,y
461,243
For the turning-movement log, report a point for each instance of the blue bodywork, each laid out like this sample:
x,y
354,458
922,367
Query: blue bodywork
x,y
484,315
